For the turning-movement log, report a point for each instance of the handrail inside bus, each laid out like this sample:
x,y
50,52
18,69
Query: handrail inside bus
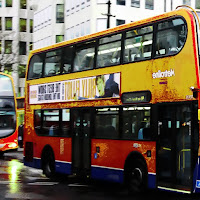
x,y
182,6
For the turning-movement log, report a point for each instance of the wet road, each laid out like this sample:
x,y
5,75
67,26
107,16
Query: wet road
x,y
19,182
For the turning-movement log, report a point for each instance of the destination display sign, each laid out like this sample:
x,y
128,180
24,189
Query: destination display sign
x,y
136,97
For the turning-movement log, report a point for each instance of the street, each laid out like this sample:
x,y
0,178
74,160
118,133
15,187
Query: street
x,y
19,182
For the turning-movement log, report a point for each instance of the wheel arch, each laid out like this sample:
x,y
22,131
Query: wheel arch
x,y
133,157
46,150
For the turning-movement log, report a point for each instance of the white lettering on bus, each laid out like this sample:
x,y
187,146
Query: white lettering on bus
x,y
164,74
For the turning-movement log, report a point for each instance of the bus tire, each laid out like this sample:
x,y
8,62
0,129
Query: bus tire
x,y
48,164
136,176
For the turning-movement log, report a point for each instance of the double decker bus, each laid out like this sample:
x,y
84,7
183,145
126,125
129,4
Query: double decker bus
x,y
120,105
8,123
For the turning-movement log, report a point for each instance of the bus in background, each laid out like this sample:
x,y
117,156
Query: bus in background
x,y
120,105
8,121
20,120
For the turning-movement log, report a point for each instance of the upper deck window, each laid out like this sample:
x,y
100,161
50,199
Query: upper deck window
x,y
109,51
84,58
138,44
170,37
52,64
35,67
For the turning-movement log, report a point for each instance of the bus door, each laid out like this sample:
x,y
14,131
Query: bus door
x,y
174,146
81,143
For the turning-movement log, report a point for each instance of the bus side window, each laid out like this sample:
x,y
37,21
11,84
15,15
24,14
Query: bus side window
x,y
107,123
37,121
170,37
66,122
109,51
67,59
35,67
52,63
84,58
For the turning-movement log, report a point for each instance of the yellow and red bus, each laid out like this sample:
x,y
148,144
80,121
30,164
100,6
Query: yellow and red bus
x,y
8,121
120,105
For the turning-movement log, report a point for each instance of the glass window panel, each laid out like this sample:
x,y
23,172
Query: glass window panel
x,y
136,123
66,122
8,3
8,47
50,122
38,121
22,48
171,41
138,48
22,27
135,3
59,13
67,59
111,38
149,4
8,23
84,59
22,4
121,2
59,38
139,31
52,63
109,54
35,67
197,5
107,123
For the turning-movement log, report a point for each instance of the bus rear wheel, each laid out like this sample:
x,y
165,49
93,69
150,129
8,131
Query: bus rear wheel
x,y
48,165
136,176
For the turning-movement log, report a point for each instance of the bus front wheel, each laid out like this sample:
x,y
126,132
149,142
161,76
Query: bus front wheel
x,y
48,164
136,176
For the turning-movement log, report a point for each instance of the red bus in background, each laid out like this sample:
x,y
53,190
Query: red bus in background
x,y
8,120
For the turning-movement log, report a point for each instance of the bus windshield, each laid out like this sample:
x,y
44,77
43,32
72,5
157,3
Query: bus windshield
x,y
7,107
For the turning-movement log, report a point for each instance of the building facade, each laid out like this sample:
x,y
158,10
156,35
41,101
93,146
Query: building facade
x,y
59,20
16,29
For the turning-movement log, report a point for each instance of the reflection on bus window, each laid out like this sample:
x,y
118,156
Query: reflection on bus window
x,y
84,58
7,123
109,51
52,64
136,123
67,59
171,37
138,46
51,122
107,123
66,122
6,88
35,67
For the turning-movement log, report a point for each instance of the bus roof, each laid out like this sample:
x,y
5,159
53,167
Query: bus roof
x,y
112,30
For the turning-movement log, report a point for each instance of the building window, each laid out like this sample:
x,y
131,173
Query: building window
x,y
59,38
197,6
8,23
30,46
22,48
8,46
31,26
60,13
8,3
0,3
22,27
0,24
149,4
121,2
23,4
0,46
8,69
120,22
187,2
135,3
21,71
